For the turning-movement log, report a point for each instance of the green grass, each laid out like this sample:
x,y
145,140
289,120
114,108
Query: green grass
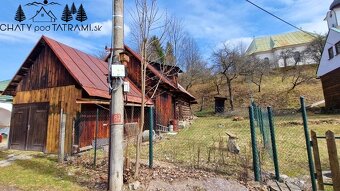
x,y
42,172
183,149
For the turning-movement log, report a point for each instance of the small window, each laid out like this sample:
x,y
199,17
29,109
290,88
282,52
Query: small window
x,y
297,56
337,48
266,59
330,53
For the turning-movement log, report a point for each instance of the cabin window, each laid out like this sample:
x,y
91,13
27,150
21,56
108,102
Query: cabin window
x,y
337,48
330,53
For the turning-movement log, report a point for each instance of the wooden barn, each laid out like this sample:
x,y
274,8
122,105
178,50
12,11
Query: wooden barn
x,y
56,77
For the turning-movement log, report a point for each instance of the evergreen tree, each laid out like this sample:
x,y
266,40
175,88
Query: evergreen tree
x,y
67,16
20,15
81,14
73,9
170,57
155,50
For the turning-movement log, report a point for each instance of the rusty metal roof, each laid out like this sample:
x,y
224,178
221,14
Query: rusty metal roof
x,y
89,71
163,78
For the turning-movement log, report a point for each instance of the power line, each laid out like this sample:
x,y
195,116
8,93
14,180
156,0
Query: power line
x,y
288,23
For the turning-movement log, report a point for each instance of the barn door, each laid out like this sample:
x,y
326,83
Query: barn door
x,y
37,127
18,129
28,126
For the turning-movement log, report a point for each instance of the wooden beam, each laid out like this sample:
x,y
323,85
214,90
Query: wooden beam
x,y
333,160
317,161
99,102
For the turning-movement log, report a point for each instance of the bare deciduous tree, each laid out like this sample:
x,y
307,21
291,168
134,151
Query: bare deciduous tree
x,y
315,48
257,69
299,76
229,60
148,22
192,62
217,80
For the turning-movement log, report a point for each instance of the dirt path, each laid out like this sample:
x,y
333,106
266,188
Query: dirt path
x,y
14,157
8,188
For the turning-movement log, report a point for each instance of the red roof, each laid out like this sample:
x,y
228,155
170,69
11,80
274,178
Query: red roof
x,y
89,71
166,80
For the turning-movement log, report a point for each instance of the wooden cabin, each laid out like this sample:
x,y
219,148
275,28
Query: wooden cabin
x,y
57,78
171,100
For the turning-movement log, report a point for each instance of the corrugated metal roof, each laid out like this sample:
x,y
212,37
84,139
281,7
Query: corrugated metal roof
x,y
163,78
268,43
89,71
3,85
4,98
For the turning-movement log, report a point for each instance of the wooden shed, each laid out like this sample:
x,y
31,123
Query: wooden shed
x,y
56,77
220,104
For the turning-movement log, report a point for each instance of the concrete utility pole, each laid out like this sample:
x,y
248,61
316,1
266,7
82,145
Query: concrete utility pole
x,y
117,103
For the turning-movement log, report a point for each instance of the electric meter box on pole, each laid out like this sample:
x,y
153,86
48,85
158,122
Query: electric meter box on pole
x,y
117,70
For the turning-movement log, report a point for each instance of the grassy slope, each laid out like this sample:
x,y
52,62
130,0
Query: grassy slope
x,y
274,92
42,172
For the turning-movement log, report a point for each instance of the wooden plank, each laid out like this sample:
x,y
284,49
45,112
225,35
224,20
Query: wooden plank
x,y
333,160
317,161
56,97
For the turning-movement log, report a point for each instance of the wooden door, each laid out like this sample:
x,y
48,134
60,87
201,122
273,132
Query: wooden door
x,y
38,116
18,131
29,126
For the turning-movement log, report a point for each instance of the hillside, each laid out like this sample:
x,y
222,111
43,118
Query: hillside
x,y
274,92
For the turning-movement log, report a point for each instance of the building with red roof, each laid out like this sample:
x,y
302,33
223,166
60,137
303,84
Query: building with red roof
x,y
57,78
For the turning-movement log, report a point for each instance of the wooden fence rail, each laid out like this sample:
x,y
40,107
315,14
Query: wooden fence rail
x,y
333,160
317,161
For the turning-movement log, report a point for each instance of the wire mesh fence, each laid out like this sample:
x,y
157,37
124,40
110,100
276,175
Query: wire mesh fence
x,y
219,141
289,141
215,142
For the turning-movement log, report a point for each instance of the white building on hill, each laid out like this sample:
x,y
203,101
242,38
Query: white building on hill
x,y
282,49
329,68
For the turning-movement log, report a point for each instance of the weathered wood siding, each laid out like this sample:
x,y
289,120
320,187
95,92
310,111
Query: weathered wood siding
x,y
58,98
87,125
45,72
164,107
331,89
134,70
183,109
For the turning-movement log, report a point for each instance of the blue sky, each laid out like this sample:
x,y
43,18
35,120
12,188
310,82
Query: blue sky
x,y
210,23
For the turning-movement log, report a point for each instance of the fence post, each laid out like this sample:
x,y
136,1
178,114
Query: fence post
x,y
308,144
317,161
95,139
61,154
272,135
151,138
264,138
254,146
333,160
